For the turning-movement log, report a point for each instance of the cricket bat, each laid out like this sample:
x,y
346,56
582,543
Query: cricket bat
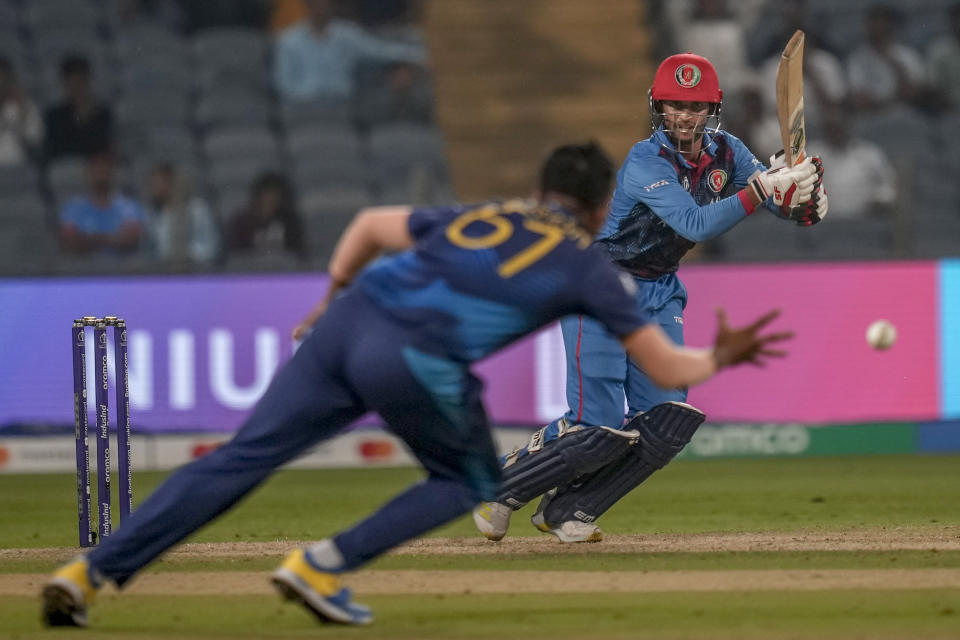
x,y
790,100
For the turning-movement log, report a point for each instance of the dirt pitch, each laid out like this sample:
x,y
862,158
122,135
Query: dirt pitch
x,y
455,581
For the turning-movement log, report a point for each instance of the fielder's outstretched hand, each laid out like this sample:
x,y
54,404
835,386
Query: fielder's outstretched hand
x,y
736,346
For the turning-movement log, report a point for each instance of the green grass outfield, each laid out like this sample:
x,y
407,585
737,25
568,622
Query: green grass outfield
x,y
910,589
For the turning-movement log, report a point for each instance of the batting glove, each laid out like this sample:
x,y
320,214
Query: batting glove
x,y
788,186
815,210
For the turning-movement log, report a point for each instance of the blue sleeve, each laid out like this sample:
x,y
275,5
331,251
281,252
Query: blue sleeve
x,y
288,68
367,45
610,295
72,213
746,165
652,180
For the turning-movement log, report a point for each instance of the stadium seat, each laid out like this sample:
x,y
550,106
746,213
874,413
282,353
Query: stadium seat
x,y
936,232
77,14
148,75
27,241
402,153
901,132
260,262
231,200
239,142
231,58
151,42
17,180
323,231
761,237
309,141
333,113
14,207
170,143
67,177
335,200
239,173
860,238
152,108
9,19
221,108
320,172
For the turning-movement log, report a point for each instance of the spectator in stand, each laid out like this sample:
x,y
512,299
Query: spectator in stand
x,y
862,180
270,221
882,72
21,129
101,222
316,57
181,228
80,124
943,63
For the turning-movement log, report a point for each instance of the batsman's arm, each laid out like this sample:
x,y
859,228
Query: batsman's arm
x,y
671,366
373,231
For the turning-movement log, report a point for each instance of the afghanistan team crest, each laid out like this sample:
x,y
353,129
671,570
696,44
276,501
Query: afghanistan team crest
x,y
687,75
717,179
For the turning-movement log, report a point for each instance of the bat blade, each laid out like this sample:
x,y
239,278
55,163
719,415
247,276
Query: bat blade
x,y
793,133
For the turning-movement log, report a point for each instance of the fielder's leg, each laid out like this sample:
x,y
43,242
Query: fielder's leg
x,y
305,403
435,406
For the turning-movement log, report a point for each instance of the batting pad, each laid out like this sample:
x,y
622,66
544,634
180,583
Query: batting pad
x,y
576,452
664,431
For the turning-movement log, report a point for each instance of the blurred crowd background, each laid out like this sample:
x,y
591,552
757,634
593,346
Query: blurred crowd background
x,y
170,136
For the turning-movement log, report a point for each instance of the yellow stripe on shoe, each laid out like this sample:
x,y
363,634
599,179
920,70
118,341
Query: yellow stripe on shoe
x,y
319,591
67,594
325,584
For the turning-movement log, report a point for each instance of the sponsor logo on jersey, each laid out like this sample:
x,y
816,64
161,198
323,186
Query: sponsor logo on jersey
x,y
658,183
687,75
717,179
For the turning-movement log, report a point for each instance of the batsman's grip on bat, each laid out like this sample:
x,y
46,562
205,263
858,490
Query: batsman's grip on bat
x,y
787,186
815,209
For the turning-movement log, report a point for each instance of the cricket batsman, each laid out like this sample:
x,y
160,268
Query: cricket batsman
x,y
688,182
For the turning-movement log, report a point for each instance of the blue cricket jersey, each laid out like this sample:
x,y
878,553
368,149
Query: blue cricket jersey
x,y
482,276
663,205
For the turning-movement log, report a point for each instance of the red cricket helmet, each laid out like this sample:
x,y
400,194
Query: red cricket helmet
x,y
686,77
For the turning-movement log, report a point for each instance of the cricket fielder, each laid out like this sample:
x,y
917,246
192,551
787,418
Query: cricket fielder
x,y
467,281
688,182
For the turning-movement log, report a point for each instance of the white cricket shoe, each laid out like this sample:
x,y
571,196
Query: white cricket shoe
x,y
576,531
569,531
492,519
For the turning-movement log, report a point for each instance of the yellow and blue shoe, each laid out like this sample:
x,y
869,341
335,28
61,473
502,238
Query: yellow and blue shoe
x,y
492,519
67,594
319,591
